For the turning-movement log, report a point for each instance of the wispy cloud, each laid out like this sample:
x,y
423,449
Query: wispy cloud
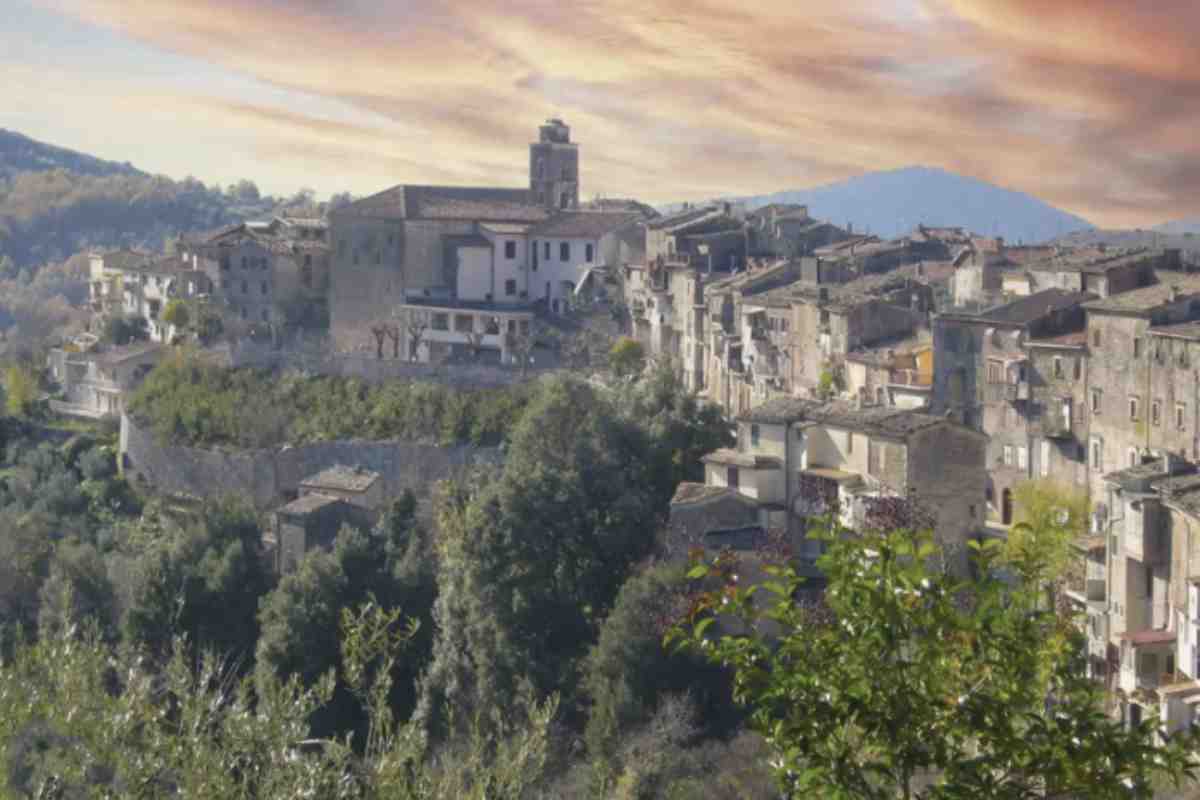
x,y
1091,104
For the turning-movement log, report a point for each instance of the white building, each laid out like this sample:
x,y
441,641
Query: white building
x,y
95,381
141,285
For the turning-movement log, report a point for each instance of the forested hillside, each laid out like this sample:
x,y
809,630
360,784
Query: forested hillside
x,y
56,202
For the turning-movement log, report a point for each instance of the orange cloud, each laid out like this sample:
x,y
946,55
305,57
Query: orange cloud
x,y
1090,105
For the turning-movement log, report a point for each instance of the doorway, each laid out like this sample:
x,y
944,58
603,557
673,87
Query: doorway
x,y
1006,507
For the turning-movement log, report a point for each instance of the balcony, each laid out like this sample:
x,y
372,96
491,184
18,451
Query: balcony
x,y
1144,657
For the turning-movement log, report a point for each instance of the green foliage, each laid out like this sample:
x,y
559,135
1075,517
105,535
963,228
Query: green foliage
x,y
176,313
122,330
627,357
80,719
628,672
919,684
682,428
1049,517
191,403
530,561
203,580
20,391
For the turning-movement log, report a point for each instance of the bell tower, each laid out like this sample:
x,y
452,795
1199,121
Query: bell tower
x,y
554,167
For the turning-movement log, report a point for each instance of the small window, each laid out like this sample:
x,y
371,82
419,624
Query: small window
x,y
308,259
1008,455
510,287
589,252
264,287
1133,408
1133,457
440,322
245,287
1137,348
1078,368
1058,367
1097,455
564,251
546,250
1096,402
464,323
244,260
754,435
1156,413
224,262
510,250
1044,458
1180,416
1096,337
266,316
731,477
849,442
1022,457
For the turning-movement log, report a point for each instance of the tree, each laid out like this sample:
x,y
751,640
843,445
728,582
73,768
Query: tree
x,y
176,313
20,391
121,330
205,581
627,357
1049,517
415,323
530,560
79,718
628,672
920,684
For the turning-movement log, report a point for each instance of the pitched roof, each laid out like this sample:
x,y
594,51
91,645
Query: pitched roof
x,y
688,493
308,504
1035,306
485,204
583,224
1183,330
1144,300
887,422
341,477
684,217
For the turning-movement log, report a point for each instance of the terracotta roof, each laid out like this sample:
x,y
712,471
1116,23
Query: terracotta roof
x,y
583,224
729,456
688,492
1072,339
1035,306
684,217
1144,300
1184,330
1142,638
449,202
308,504
887,422
343,478
121,354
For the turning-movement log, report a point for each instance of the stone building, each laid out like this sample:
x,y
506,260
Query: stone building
x,y
554,167
795,458
94,380
505,273
326,501
1141,382
141,285
1137,586
272,271
785,230
984,379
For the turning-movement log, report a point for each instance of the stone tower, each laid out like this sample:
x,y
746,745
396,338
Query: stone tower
x,y
554,167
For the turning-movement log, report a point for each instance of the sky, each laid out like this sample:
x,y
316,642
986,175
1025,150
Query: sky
x,y
1091,105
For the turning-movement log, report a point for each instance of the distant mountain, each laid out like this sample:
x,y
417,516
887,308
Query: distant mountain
x,y
892,203
19,153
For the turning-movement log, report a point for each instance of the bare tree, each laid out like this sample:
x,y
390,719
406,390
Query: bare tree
x,y
416,323
380,332
521,345
475,342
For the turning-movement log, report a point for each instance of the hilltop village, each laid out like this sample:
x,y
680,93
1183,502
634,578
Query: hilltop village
x,y
942,365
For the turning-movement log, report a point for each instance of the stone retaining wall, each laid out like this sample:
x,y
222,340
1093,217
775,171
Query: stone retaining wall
x,y
266,477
